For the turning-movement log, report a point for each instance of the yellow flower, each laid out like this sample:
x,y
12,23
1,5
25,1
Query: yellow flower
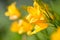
x,y
56,35
21,27
39,27
14,27
35,13
32,19
12,12
35,17
26,27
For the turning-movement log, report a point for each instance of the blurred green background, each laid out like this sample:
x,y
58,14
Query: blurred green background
x,y
6,34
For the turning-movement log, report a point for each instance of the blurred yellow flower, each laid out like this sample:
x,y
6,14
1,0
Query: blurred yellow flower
x,y
32,19
56,35
35,17
35,13
14,27
25,27
21,27
39,26
12,12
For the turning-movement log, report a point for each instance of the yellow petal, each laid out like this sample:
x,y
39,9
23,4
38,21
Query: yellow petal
x,y
28,17
12,7
56,35
36,29
36,5
29,33
21,30
43,25
13,12
33,20
33,11
26,26
14,27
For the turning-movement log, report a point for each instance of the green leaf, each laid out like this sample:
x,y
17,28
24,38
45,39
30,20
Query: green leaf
x,y
12,36
42,36
33,37
50,30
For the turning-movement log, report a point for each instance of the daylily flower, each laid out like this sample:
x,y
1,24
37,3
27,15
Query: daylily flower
x,y
14,27
34,13
34,22
25,27
21,27
56,35
12,12
39,26
32,19
37,17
